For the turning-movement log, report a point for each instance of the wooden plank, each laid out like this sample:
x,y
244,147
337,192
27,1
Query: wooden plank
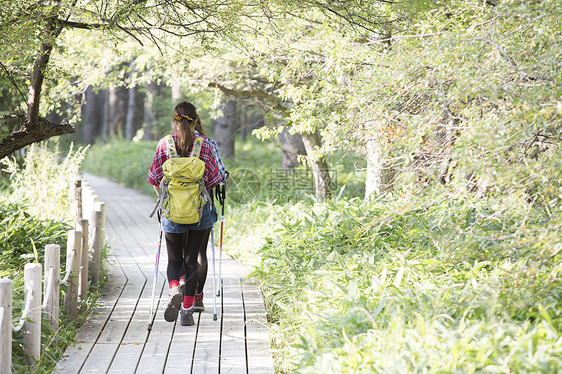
x,y
126,358
257,334
135,236
233,342
124,345
157,346
100,358
121,315
136,335
75,356
109,340
181,349
206,358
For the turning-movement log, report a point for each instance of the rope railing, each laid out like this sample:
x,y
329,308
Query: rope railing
x,y
91,238
68,268
28,297
82,264
49,285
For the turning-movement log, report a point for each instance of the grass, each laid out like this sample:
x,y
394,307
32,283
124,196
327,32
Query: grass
x,y
388,288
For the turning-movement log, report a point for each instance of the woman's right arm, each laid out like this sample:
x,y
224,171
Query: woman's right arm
x,y
218,161
155,174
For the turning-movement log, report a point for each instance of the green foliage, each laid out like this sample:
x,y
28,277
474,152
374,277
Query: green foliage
x,y
43,175
23,238
122,161
463,92
393,286
37,191
457,276
21,232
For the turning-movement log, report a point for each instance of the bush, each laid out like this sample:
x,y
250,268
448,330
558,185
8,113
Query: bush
x,y
36,209
404,287
122,161
44,181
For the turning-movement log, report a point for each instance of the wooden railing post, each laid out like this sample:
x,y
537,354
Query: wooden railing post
x,y
82,225
6,326
32,330
78,196
72,265
52,260
88,200
97,229
101,207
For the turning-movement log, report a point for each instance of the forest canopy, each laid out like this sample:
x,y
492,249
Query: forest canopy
x,y
406,83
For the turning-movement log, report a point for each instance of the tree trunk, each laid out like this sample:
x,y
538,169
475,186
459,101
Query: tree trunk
x,y
243,121
130,119
176,92
34,128
38,75
225,129
117,110
112,109
319,166
176,98
105,119
148,113
291,147
256,119
90,115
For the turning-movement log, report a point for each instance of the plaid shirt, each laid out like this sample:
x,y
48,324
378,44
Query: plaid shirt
x,y
215,148
212,175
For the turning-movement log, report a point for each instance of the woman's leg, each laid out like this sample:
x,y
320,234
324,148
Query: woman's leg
x,y
202,262
174,247
195,239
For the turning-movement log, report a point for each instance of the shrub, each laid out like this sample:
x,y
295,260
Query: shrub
x,y
36,210
400,286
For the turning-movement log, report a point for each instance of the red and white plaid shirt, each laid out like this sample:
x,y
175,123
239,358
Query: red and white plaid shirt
x,y
212,175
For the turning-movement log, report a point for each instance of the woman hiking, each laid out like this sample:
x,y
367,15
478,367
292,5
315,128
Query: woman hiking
x,y
186,244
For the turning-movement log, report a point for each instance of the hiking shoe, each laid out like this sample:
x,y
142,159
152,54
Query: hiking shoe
x,y
198,303
186,316
182,285
173,307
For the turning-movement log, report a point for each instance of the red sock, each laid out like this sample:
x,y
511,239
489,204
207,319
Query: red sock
x,y
188,301
174,283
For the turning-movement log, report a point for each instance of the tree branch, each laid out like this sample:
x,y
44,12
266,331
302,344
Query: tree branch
x,y
259,94
29,135
12,80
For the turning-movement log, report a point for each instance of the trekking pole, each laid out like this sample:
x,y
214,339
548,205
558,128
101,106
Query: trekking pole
x,y
214,276
155,277
221,194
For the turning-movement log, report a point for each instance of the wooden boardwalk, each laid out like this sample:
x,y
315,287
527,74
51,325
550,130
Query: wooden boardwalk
x,y
115,339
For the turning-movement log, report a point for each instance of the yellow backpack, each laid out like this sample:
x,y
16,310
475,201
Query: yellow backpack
x,y
182,189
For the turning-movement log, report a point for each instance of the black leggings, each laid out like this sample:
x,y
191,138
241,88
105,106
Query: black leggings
x,y
188,251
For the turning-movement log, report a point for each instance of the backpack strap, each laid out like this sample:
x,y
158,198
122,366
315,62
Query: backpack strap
x,y
171,146
195,151
197,145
